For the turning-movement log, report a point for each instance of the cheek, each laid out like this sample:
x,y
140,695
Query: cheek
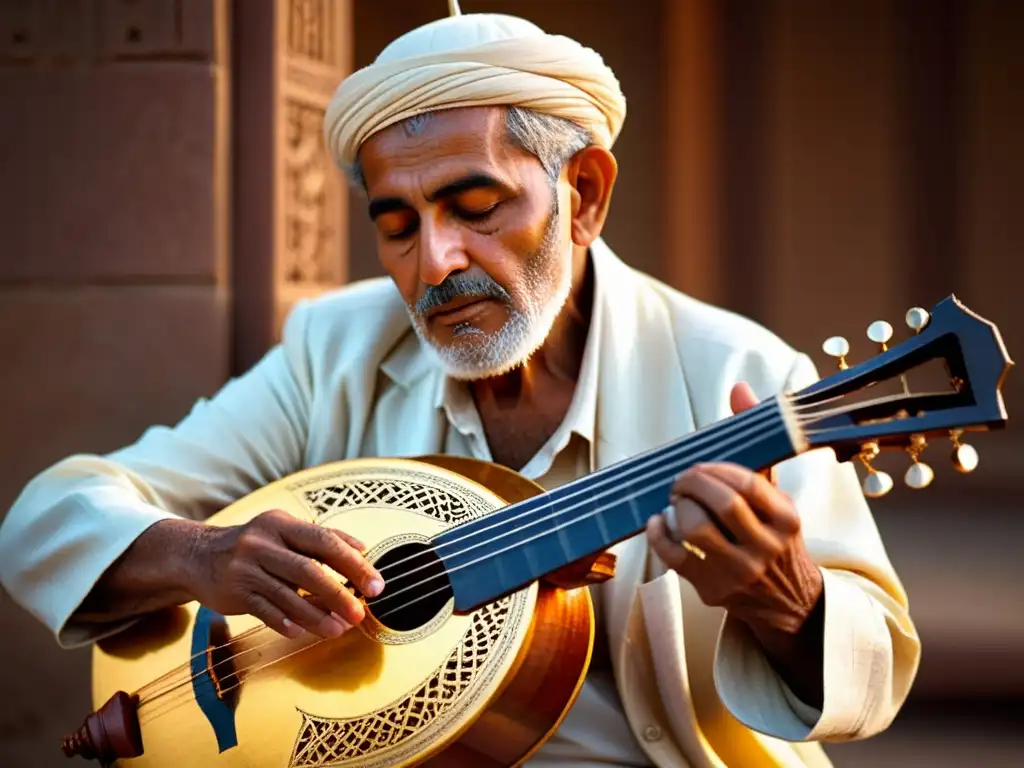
x,y
526,228
517,237
401,268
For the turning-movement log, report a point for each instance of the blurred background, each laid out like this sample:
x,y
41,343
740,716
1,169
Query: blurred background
x,y
815,164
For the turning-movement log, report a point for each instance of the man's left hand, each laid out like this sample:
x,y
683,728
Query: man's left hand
x,y
755,562
758,568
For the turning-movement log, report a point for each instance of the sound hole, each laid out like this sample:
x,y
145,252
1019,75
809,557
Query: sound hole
x,y
416,587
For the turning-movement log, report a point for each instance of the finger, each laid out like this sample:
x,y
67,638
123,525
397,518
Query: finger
x,y
672,529
724,507
349,539
271,615
300,571
300,611
680,489
719,552
321,543
694,515
697,527
769,503
742,398
670,552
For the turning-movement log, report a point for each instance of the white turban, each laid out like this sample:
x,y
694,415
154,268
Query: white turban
x,y
475,60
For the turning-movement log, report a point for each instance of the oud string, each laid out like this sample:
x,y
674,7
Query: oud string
x,y
253,669
659,473
187,665
652,460
664,455
697,441
659,458
516,544
184,696
588,483
579,519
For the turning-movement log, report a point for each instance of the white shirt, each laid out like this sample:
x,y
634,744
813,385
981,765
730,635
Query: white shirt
x,y
595,732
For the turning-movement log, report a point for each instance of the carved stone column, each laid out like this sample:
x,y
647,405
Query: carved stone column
x,y
290,215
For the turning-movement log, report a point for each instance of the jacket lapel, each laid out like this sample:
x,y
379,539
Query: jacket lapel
x,y
642,402
409,420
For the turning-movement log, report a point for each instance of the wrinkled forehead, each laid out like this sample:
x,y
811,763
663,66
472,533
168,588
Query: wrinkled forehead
x,y
433,146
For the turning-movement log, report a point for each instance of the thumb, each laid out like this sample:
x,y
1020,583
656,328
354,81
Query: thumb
x,y
742,397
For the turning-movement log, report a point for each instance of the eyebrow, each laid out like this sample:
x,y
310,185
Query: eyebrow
x,y
381,205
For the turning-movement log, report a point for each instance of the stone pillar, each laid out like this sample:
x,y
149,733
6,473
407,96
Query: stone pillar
x,y
691,146
114,262
715,150
114,297
290,225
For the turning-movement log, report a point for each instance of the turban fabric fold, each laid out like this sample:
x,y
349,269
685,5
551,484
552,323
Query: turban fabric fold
x,y
475,60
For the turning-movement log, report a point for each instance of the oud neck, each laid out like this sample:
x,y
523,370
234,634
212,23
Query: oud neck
x,y
508,549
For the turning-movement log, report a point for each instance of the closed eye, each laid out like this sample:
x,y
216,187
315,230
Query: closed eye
x,y
476,215
403,234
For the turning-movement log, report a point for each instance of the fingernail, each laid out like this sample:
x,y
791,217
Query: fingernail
x,y
345,626
331,627
375,587
292,629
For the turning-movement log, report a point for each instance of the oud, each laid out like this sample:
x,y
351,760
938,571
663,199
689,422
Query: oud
x,y
481,640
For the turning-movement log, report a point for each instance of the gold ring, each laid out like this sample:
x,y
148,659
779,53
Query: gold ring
x,y
694,549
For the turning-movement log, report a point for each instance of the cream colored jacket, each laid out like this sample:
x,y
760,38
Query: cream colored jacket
x,y
695,686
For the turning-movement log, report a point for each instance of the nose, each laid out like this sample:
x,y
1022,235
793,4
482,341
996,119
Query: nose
x,y
442,251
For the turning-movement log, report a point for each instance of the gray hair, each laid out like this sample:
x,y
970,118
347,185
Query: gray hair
x,y
552,140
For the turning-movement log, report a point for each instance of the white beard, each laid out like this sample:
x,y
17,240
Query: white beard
x,y
477,355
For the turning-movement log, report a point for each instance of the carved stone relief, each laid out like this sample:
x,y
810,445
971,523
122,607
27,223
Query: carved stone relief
x,y
313,30
313,257
309,221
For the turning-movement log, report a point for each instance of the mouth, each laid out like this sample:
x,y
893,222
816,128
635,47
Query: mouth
x,y
457,308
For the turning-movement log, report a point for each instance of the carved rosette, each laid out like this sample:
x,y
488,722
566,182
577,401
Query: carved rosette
x,y
325,741
442,700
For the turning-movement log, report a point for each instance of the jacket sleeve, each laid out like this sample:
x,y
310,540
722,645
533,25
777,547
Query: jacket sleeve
x,y
872,649
73,520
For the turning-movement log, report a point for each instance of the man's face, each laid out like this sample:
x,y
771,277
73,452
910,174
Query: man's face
x,y
468,227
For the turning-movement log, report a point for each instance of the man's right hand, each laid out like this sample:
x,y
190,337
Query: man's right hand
x,y
257,568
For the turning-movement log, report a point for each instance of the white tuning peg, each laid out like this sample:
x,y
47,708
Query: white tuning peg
x,y
917,319
837,347
880,332
877,484
919,475
965,457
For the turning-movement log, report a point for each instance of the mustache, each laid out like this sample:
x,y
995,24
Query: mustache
x,y
460,285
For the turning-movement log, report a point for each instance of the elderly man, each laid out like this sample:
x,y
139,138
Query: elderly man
x,y
508,331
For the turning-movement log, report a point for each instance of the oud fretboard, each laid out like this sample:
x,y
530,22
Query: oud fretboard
x,y
516,545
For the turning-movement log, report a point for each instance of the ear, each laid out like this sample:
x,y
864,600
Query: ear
x,y
591,175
